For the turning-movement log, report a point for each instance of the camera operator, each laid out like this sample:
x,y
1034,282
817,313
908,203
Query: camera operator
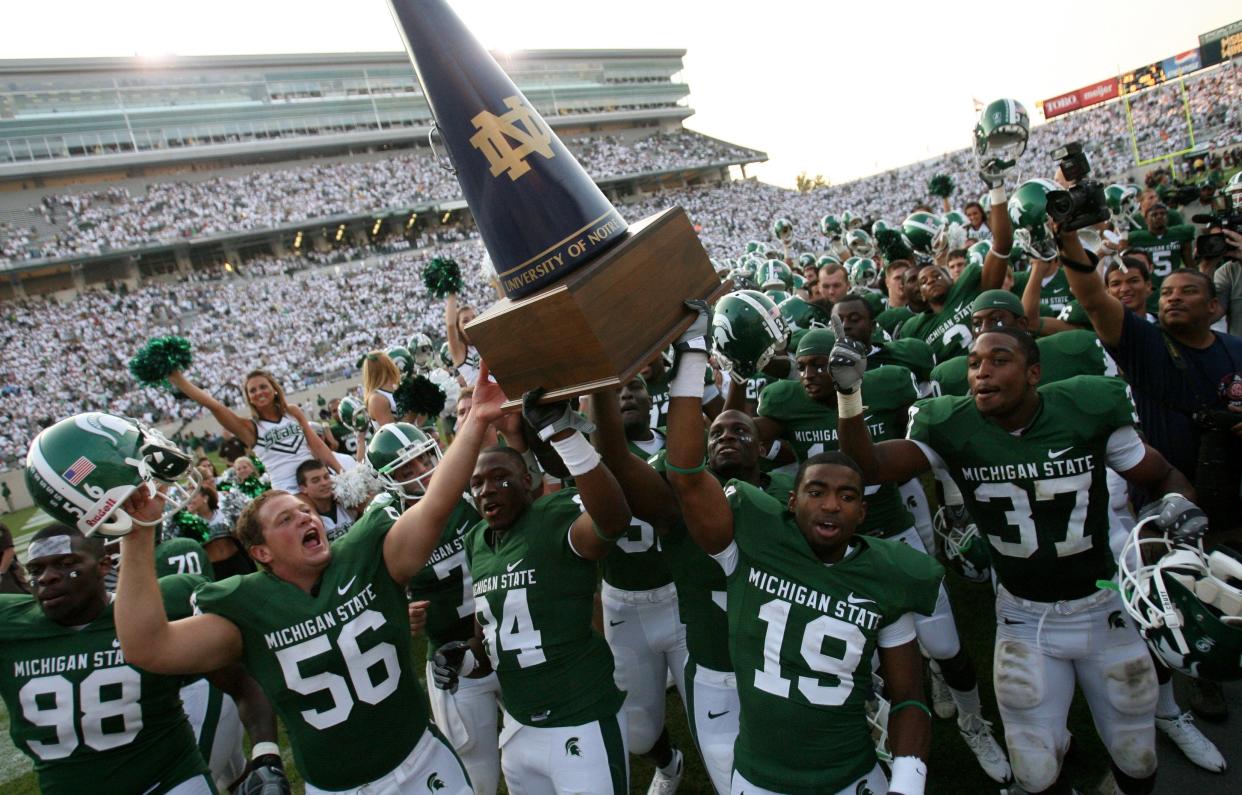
x,y
1220,253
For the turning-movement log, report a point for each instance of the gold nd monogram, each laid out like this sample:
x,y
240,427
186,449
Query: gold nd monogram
x,y
520,124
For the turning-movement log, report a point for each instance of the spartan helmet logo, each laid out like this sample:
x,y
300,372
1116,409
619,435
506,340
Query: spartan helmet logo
x,y
571,747
434,782
520,124
1115,621
1205,644
863,789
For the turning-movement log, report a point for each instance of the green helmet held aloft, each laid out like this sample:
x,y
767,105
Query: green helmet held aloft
x,y
775,274
747,330
403,359
801,315
756,247
920,229
976,254
850,221
395,445
353,414
830,226
82,469
860,243
1028,210
424,352
1002,132
954,217
880,226
446,356
865,273
782,229
806,260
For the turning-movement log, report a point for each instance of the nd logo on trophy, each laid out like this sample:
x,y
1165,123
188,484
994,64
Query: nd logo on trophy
x,y
589,299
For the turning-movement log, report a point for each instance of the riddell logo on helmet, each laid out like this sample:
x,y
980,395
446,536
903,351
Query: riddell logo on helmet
x,y
102,513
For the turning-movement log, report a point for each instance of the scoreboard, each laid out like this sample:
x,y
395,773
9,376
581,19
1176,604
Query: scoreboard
x,y
1144,77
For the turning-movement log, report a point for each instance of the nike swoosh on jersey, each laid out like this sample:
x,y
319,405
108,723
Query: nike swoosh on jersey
x,y
713,715
612,623
341,589
858,600
1059,453
513,565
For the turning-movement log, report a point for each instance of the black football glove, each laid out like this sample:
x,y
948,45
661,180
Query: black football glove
x,y
551,418
264,775
848,361
446,664
1179,518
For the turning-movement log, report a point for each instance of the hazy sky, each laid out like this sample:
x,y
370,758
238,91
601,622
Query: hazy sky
x,y
842,89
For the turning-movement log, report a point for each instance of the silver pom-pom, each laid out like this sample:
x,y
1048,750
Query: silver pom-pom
x,y
449,386
355,486
232,503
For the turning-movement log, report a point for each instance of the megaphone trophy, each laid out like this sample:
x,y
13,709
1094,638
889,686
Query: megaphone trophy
x,y
589,300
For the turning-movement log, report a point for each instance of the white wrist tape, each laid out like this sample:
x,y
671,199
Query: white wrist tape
x,y
997,195
577,453
849,405
468,663
909,775
952,494
263,749
688,382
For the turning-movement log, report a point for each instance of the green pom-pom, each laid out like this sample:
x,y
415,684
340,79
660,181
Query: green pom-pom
x,y
418,395
161,356
191,526
442,276
940,185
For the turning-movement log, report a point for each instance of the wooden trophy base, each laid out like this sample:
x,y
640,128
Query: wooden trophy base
x,y
602,323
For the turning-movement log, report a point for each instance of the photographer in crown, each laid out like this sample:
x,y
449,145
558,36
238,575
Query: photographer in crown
x,y
1186,378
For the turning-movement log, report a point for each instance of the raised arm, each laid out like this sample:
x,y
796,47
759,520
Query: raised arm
x,y
996,263
1107,313
413,536
317,445
896,460
650,497
239,426
457,346
703,503
193,645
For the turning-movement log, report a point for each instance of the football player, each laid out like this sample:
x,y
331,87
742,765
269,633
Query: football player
x,y
339,611
534,565
809,604
1030,462
405,459
804,412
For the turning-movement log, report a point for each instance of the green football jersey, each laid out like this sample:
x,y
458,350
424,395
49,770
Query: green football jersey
x,y
1041,498
701,585
1062,355
1053,296
182,556
90,722
912,354
948,331
336,664
811,428
1165,252
635,562
891,319
802,635
445,582
534,598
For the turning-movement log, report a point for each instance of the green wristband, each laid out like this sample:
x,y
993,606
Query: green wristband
x,y
910,703
691,471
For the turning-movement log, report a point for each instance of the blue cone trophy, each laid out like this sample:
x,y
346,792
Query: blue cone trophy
x,y
588,300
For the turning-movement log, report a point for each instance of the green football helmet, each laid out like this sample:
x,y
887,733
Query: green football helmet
x,y
799,282
1001,133
976,254
1233,192
353,414
965,548
756,247
776,294
395,445
806,260
403,359
830,225
775,275
985,201
920,230
747,331
850,221
860,243
865,273
1122,202
1028,210
424,352
446,357
825,259
1187,604
880,226
82,469
782,229
954,217
743,279
801,315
